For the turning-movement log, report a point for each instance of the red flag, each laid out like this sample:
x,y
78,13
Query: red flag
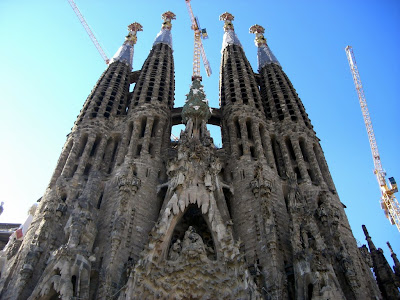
x,y
18,233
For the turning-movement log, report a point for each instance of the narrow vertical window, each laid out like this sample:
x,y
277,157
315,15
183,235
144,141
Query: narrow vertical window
x,y
143,127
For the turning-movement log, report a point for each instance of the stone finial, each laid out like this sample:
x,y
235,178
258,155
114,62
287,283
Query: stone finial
x,y
133,28
227,18
168,16
258,30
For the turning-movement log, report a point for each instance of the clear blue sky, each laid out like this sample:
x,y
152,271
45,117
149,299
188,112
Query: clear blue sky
x,y
49,67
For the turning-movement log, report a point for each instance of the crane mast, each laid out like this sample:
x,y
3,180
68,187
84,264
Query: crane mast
x,y
389,202
198,45
88,31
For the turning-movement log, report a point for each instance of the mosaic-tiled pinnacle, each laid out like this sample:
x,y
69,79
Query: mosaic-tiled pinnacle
x,y
125,52
165,36
264,53
230,37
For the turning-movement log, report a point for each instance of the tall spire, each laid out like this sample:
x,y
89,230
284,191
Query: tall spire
x,y
230,37
164,36
385,277
264,54
125,52
368,238
396,261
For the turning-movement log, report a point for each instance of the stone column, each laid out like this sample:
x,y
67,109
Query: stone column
x,y
300,160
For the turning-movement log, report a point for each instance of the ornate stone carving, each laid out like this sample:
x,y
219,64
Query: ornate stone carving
x,y
13,248
80,228
260,186
175,251
193,180
347,265
30,262
126,179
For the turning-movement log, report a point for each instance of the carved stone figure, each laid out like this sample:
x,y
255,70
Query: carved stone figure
x,y
175,250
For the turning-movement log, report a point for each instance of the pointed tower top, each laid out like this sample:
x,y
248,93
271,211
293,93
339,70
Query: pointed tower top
x,y
125,52
264,54
390,247
164,36
368,238
230,37
396,261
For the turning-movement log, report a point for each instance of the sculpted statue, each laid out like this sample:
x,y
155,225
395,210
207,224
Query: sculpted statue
x,y
175,250
80,227
193,245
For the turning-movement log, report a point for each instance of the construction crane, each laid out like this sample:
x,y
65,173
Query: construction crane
x,y
389,203
198,45
89,31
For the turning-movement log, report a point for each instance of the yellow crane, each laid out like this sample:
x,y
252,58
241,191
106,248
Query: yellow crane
x,y
389,203
198,45
88,31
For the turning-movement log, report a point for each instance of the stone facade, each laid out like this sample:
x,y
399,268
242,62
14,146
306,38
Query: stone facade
x,y
130,214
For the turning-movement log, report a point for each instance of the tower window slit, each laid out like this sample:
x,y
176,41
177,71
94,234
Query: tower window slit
x,y
303,150
74,170
87,169
278,156
155,127
249,130
73,281
252,152
130,133
82,145
107,153
95,146
310,289
138,150
324,170
151,150
100,200
298,174
240,150
143,127
228,199
237,129
114,154
312,176
289,147
263,142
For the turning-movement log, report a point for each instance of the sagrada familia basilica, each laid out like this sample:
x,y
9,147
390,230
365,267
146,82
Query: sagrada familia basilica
x,y
131,214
